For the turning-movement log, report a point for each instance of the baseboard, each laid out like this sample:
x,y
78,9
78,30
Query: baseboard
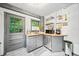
x,y
35,49
3,54
66,55
74,54
48,48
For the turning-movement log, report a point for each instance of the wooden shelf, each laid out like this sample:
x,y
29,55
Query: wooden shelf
x,y
61,22
49,23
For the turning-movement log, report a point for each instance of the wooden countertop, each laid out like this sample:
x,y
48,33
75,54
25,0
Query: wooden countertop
x,y
43,33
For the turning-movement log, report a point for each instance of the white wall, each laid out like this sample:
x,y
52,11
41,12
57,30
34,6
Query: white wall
x,y
73,25
1,32
27,24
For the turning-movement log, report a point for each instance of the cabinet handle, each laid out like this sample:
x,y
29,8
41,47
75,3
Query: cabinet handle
x,y
0,42
10,40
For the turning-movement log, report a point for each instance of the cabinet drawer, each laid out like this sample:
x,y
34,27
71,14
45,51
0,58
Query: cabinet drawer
x,y
15,46
14,41
16,36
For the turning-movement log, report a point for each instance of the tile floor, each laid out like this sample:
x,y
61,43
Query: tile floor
x,y
39,52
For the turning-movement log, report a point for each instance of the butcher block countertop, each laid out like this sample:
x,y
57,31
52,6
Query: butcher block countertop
x,y
43,33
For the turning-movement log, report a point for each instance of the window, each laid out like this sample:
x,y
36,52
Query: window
x,y
35,25
16,24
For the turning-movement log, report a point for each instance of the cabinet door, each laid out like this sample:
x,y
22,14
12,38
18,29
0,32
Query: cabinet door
x,y
57,44
48,43
45,40
31,43
39,41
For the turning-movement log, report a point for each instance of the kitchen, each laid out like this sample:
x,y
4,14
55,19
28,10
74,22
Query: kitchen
x,y
41,31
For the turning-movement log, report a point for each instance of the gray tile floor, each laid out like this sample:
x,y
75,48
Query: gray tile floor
x,y
39,52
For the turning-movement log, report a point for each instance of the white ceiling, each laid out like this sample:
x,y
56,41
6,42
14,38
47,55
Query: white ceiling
x,y
41,9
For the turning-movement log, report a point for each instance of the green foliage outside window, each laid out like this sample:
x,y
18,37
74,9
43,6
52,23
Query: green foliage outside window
x,y
35,23
16,25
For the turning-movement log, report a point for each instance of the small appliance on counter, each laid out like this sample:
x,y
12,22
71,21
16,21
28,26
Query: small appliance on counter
x,y
50,31
58,31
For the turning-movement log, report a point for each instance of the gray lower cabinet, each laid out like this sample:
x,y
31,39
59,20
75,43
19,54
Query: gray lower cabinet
x,y
15,41
55,44
39,41
15,46
48,42
34,42
45,40
31,44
